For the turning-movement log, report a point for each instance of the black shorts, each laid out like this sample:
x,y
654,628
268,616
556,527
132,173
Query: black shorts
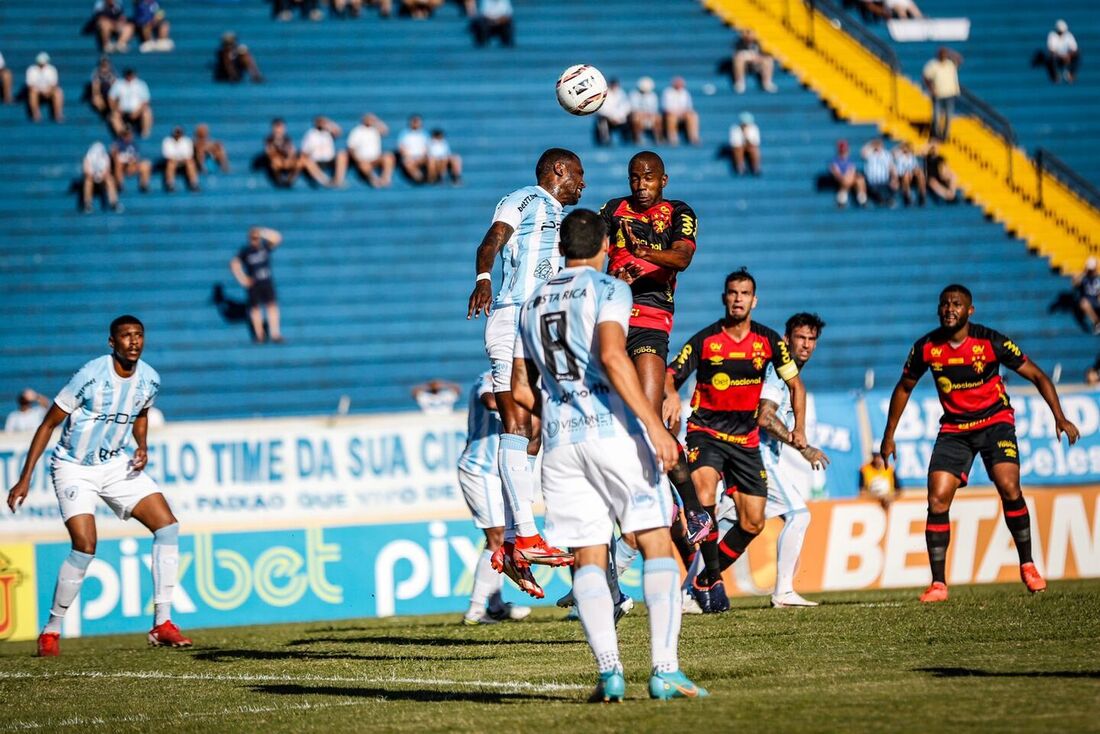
x,y
646,341
741,467
261,293
954,452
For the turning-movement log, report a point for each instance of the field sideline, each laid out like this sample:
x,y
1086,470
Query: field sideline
x,y
992,659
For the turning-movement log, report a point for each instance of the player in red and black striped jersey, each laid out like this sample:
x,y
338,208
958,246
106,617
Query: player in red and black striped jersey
x,y
965,360
729,359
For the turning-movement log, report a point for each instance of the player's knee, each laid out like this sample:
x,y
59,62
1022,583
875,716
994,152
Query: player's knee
x,y
84,545
754,525
1009,490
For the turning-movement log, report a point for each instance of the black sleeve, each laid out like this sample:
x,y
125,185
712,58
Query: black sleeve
x,y
1008,353
687,361
685,225
781,357
915,366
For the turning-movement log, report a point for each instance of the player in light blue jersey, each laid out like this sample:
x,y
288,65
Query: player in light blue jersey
x,y
605,445
480,483
524,233
105,404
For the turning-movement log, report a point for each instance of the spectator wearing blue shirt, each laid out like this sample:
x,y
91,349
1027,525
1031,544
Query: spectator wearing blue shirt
x,y
494,18
412,150
879,172
152,25
110,21
846,176
127,161
252,269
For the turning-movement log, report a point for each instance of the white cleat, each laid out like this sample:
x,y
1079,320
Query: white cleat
x,y
474,621
792,599
508,613
688,603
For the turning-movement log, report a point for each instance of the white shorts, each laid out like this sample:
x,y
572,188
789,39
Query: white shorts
x,y
78,486
484,496
501,328
589,486
784,496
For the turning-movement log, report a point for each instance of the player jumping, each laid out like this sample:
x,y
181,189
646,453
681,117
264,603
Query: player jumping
x,y
106,402
729,359
965,359
598,466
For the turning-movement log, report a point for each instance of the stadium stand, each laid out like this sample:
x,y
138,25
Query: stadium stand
x,y
373,283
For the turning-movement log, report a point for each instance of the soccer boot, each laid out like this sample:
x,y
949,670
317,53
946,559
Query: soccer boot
x,y
664,686
497,559
1032,578
698,525
534,549
522,577
610,688
623,607
167,634
792,599
934,593
49,645
566,600
711,599
688,605
508,612
473,620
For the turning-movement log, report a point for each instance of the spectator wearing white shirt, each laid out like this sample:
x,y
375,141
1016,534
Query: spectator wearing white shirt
x,y
97,174
43,86
442,160
910,174
745,144
437,397
5,82
679,110
129,99
179,150
32,409
365,151
494,18
645,112
318,151
879,172
1062,55
614,114
941,78
412,150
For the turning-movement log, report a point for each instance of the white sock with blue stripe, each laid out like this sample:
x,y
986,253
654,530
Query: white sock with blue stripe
x,y
166,561
788,549
624,556
486,583
660,583
597,613
517,478
69,580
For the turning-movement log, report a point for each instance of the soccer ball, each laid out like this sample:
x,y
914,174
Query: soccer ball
x,y
581,89
879,488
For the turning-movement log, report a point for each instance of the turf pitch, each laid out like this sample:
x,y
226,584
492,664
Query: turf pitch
x,y
991,659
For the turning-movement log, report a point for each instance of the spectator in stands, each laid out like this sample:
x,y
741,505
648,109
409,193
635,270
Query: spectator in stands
x,y
127,161
846,176
207,147
319,152
97,174
941,78
878,481
747,56
887,9
614,114
412,150
152,25
1062,56
252,269
494,18
103,78
442,160
284,9
420,9
43,86
179,150
1087,288
437,397
280,155
128,99
28,416
879,172
940,179
234,61
679,110
5,82
910,173
365,151
745,144
110,21
645,112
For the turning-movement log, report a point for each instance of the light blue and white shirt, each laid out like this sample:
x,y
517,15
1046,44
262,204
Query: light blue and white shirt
x,y
102,408
776,390
531,256
558,332
483,429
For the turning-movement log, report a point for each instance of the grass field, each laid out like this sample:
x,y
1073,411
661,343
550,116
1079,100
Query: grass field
x,y
992,659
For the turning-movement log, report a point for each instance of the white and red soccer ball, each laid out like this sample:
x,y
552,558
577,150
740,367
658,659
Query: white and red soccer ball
x,y
581,89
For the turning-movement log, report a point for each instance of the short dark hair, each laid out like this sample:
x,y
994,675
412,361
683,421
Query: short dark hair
x,y
125,320
741,274
647,156
582,233
958,288
278,121
804,318
549,158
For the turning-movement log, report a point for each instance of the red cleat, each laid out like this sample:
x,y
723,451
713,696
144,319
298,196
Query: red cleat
x,y
1032,579
522,577
934,593
49,645
533,549
167,634
497,561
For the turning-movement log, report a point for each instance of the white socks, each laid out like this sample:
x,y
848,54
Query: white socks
x,y
624,556
660,583
166,561
517,476
597,613
486,583
787,550
69,580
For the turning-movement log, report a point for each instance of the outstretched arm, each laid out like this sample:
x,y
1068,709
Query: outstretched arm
x,y
1031,371
494,240
769,420
898,400
41,438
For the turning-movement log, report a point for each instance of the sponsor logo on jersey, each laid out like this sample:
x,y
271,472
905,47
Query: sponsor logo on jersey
x,y
544,270
526,200
956,360
570,395
946,386
937,351
1010,346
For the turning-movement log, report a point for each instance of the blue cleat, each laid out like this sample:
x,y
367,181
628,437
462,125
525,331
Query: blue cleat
x,y
698,525
665,686
711,599
611,687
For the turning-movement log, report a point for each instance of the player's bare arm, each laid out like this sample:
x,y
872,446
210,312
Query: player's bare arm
x,y
1031,371
798,405
898,400
491,245
237,269
624,378
677,256
41,439
673,406
768,419
273,237
141,435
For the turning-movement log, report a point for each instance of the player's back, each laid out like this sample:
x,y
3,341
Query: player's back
x,y
531,256
559,333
